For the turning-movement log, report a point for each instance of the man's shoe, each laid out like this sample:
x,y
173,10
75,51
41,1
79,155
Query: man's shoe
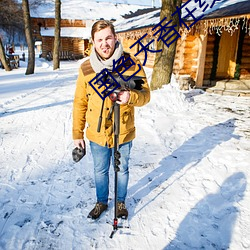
x,y
97,210
122,211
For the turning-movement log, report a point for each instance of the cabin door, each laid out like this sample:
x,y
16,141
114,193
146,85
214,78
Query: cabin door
x,y
227,55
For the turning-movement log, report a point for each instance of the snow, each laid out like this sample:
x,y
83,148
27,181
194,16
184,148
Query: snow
x,y
155,3
86,10
148,19
189,169
218,4
153,18
84,33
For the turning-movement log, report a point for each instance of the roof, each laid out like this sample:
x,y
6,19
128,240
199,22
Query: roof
x,y
142,21
221,8
140,12
236,9
79,32
85,10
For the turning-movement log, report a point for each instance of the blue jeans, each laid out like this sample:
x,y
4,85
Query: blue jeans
x,y
102,158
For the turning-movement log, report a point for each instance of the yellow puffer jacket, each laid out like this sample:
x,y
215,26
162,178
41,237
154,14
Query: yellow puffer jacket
x,y
87,106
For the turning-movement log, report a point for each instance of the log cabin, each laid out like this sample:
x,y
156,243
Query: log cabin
x,y
74,37
215,48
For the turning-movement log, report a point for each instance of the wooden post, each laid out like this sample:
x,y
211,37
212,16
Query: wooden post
x,y
201,60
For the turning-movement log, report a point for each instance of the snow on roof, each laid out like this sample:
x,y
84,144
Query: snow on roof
x,y
80,32
220,9
235,9
145,20
85,10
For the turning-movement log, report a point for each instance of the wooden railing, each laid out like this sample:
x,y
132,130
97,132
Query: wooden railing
x,y
64,55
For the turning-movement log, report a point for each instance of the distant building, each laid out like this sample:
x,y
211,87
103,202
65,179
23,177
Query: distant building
x,y
77,18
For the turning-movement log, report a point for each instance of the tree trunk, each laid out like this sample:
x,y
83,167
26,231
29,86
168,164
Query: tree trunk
x,y
3,57
29,38
164,60
56,59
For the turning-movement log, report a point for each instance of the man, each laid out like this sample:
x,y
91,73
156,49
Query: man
x,y
86,108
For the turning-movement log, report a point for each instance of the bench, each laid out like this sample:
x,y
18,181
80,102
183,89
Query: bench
x,y
13,61
63,55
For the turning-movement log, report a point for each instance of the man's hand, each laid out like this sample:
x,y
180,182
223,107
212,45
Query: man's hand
x,y
79,151
79,143
123,97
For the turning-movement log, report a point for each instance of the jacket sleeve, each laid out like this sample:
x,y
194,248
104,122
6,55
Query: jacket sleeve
x,y
80,105
141,97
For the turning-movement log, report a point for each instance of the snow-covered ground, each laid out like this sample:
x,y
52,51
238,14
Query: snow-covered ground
x,y
189,169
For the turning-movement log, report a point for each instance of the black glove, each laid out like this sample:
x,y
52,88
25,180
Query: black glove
x,y
78,153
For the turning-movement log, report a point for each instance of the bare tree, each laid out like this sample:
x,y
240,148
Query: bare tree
x,y
164,60
3,57
11,16
28,33
56,59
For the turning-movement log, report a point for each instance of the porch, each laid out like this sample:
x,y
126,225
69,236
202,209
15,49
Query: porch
x,y
231,87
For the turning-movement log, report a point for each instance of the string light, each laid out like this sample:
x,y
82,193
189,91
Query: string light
x,y
218,26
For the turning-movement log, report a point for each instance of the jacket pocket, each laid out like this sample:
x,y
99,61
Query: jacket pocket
x,y
127,120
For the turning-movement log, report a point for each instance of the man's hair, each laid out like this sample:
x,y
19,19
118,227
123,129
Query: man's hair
x,y
100,25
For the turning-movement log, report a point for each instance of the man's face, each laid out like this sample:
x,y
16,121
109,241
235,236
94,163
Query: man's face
x,y
104,42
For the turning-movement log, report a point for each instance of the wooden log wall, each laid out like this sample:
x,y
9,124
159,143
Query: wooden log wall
x,y
209,57
185,62
79,46
187,55
50,22
73,45
126,43
47,45
66,44
178,61
186,52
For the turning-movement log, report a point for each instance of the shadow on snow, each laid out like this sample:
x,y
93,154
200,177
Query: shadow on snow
x,y
209,225
23,110
215,221
190,153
